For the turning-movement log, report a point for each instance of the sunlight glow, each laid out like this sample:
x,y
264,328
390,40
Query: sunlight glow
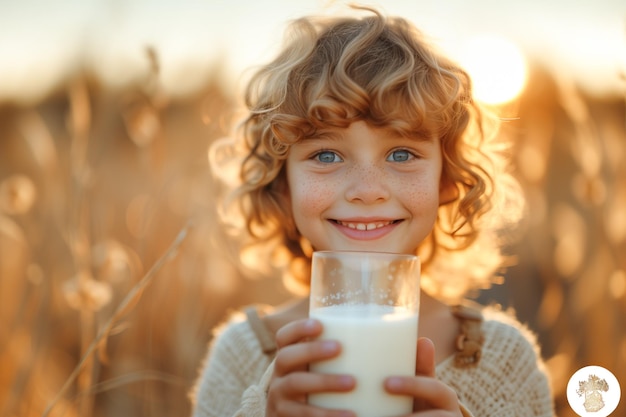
x,y
497,66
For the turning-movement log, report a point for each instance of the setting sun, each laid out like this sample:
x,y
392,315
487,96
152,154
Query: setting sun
x,y
497,67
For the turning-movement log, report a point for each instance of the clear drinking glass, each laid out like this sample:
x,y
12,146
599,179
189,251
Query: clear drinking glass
x,y
369,302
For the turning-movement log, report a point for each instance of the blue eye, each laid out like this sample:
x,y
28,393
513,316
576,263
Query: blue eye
x,y
328,157
401,155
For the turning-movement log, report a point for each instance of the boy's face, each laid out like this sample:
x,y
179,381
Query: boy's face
x,y
365,189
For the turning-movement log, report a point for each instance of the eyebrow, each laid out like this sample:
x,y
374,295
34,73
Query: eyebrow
x,y
430,138
336,135
420,135
331,135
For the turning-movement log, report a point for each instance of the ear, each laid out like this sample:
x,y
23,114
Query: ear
x,y
448,192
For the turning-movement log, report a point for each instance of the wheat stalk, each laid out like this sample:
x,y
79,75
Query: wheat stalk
x,y
131,298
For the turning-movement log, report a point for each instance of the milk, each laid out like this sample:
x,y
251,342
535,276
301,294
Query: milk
x,y
377,342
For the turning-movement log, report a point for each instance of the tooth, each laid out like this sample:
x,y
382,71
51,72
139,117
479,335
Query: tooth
x,y
364,226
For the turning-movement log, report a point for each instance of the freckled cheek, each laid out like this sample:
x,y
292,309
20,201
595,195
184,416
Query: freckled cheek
x,y
421,195
309,198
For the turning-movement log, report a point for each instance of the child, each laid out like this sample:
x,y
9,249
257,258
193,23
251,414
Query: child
x,y
361,137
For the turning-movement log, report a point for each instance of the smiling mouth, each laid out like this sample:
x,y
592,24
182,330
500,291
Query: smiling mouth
x,y
366,226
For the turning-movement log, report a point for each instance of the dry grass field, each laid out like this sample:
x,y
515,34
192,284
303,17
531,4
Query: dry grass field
x,y
113,269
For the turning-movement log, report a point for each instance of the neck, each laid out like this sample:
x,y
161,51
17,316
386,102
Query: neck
x,y
429,304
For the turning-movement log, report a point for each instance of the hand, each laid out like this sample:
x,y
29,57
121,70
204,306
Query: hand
x,y
291,381
433,398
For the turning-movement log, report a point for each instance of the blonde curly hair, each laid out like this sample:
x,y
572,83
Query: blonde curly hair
x,y
334,71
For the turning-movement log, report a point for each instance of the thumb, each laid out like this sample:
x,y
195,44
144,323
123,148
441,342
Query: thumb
x,y
425,361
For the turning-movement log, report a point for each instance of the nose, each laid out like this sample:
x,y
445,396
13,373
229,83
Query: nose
x,y
367,184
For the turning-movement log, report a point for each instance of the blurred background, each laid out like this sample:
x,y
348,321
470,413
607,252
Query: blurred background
x,y
113,269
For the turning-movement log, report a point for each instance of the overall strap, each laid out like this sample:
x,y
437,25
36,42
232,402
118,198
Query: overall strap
x,y
470,340
266,339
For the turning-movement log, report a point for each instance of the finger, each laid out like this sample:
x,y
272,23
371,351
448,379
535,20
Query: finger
x,y
297,356
297,331
300,383
288,395
429,393
290,409
425,362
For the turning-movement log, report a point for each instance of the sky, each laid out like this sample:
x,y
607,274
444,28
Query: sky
x,y
42,42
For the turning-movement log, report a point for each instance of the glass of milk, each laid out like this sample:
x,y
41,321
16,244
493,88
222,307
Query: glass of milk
x,y
369,302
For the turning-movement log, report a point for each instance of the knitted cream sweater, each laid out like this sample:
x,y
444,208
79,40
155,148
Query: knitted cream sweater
x,y
509,381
